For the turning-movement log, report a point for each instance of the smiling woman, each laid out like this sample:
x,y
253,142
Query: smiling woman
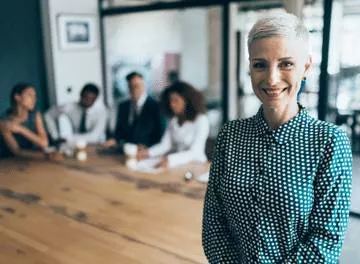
x,y
278,63
279,187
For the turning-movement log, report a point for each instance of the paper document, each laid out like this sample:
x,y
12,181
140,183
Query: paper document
x,y
203,177
148,165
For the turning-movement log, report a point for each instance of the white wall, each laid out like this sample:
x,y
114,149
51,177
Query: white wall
x,y
141,37
69,68
142,34
215,54
150,35
195,47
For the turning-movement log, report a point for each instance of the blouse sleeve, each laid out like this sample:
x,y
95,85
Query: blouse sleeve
x,y
197,148
329,218
51,117
217,241
163,146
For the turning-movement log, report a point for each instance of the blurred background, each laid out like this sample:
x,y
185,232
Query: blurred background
x,y
59,45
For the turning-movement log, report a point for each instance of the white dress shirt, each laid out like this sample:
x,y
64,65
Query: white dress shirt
x,y
96,118
139,106
186,142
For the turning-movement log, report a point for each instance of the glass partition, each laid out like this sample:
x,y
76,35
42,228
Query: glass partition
x,y
165,46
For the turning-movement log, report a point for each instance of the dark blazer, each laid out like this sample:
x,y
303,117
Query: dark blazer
x,y
149,126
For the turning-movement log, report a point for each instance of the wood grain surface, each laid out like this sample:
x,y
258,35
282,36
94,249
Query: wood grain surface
x,y
98,211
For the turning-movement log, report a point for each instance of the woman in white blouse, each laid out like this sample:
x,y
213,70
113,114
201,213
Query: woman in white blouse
x,y
185,138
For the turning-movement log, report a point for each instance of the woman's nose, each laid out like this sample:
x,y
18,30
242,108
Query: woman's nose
x,y
273,76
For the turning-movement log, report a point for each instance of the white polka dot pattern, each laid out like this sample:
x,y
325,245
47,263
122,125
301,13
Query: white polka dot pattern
x,y
279,196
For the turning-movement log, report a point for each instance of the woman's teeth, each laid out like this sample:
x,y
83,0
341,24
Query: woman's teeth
x,y
274,92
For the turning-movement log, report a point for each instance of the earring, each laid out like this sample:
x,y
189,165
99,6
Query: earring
x,y
302,88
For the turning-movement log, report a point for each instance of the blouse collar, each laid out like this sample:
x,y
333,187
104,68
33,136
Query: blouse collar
x,y
286,132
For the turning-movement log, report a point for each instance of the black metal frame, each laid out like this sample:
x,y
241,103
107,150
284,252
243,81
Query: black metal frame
x,y
323,102
225,61
324,76
354,214
225,4
103,51
323,92
161,6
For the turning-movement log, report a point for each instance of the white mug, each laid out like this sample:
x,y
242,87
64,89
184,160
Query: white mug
x,y
81,144
131,164
130,149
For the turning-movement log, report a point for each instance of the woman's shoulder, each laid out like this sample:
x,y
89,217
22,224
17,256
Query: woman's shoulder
x,y
325,130
238,128
201,118
241,123
33,114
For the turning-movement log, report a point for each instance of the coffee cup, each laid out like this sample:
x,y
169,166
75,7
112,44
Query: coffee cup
x,y
130,149
131,164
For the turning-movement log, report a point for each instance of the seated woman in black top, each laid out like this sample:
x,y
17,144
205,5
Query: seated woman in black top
x,y
21,127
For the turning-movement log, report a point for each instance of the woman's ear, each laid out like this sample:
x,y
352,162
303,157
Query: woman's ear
x,y
308,65
17,97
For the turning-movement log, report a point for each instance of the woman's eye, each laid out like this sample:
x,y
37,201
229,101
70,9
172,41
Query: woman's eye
x,y
286,65
258,65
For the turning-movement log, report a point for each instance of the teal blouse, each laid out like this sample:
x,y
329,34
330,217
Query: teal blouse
x,y
29,123
278,196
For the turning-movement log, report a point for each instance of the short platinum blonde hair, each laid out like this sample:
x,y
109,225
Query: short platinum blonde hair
x,y
280,25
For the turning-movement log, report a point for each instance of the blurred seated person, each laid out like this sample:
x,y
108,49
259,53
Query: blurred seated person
x,y
188,129
88,119
21,127
139,119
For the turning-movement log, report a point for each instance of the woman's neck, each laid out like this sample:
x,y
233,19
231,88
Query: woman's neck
x,y
275,117
181,119
20,113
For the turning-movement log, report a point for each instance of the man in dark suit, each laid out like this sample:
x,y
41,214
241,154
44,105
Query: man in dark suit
x,y
139,119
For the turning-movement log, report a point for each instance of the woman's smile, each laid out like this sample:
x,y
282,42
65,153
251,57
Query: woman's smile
x,y
274,93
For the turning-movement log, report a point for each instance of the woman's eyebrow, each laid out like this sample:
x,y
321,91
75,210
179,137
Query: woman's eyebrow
x,y
286,58
258,59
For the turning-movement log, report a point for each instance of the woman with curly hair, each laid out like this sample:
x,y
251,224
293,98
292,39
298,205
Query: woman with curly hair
x,y
187,131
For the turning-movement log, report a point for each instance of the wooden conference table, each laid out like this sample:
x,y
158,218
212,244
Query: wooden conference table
x,y
98,211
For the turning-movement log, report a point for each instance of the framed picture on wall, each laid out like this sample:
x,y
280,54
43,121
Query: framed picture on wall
x,y
77,31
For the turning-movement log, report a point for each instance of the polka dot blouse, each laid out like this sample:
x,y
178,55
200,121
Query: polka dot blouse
x,y
278,196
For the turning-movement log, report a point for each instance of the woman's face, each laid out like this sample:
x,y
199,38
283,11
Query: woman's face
x,y
177,103
27,99
277,65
